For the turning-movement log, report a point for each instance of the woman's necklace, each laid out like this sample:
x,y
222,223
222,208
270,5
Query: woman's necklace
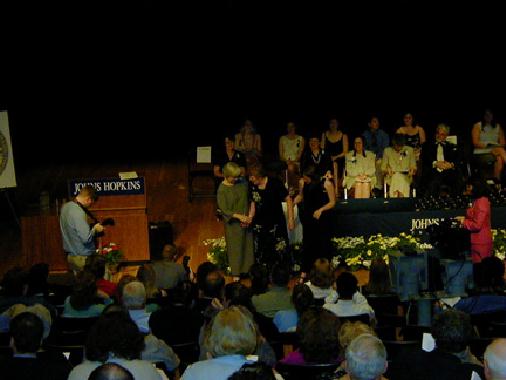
x,y
317,158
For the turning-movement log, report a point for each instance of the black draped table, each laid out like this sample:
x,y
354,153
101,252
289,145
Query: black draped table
x,y
365,217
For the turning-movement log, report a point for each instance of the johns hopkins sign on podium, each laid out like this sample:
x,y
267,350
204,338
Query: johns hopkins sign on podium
x,y
109,186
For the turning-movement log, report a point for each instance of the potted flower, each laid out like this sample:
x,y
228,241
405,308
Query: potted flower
x,y
113,255
217,253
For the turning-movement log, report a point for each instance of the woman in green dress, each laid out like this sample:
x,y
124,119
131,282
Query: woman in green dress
x,y
237,213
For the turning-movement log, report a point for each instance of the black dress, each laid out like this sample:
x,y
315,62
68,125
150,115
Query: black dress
x,y
269,223
335,149
317,232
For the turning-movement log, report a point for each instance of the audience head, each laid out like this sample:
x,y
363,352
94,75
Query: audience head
x,y
321,274
236,294
302,298
84,293
232,331
379,277
319,342
134,296
37,279
452,331
39,310
311,174
495,360
490,275
280,275
350,330
96,264
126,279
114,333
170,252
346,285
26,330
15,282
111,371
253,371
366,358
259,278
210,281
147,275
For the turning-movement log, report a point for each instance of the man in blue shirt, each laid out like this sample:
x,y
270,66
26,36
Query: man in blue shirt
x,y
78,237
376,140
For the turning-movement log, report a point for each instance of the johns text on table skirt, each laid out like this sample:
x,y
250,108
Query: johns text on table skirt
x,y
391,223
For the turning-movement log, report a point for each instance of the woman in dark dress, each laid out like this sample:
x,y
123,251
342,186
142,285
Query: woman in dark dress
x,y
335,143
317,198
269,223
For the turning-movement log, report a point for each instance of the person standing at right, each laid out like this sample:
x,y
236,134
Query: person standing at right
x,y
78,237
478,222
236,209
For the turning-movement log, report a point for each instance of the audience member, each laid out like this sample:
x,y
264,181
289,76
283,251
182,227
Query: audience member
x,y
111,371
155,350
321,280
147,275
495,360
319,341
366,359
376,140
346,287
259,275
39,310
302,299
232,336
254,371
85,301
169,273
27,363
278,297
96,265
115,338
451,358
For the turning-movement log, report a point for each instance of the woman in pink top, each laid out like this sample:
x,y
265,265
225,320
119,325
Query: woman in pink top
x,y
477,221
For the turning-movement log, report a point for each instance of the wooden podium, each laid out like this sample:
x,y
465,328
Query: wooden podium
x,y
41,235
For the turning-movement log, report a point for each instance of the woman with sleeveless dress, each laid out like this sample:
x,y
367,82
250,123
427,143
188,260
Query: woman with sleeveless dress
x,y
415,138
335,143
291,147
488,137
316,199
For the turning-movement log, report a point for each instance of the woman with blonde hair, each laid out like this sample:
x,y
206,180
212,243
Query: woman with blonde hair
x,y
232,336
236,211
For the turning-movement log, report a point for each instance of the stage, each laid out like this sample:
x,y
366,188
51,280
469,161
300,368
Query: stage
x,y
365,217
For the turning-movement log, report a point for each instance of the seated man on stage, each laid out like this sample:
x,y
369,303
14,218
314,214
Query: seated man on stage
x,y
78,237
441,160
399,165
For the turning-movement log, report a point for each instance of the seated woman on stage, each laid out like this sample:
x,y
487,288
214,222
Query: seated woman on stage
x,y
291,147
488,137
399,165
248,142
360,170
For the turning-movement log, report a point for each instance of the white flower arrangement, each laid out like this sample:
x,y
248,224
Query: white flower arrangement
x,y
217,253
